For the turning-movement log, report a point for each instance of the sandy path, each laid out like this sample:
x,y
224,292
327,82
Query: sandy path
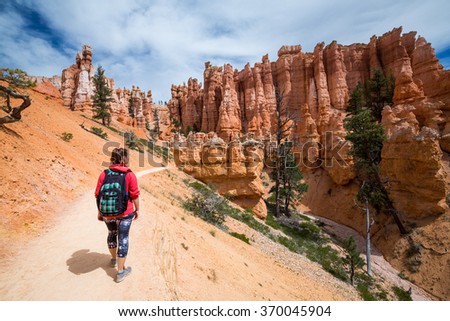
x,y
174,255
69,262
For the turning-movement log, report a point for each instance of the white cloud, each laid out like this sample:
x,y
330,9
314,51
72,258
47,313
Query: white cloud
x,y
156,43
19,50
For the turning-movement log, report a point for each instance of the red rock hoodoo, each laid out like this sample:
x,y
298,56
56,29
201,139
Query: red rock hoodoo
x,y
131,107
316,88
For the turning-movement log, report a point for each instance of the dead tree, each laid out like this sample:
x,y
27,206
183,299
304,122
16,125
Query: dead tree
x,y
15,79
14,113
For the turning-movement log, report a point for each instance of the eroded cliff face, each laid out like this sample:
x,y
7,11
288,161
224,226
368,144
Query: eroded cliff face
x,y
76,82
233,168
316,87
130,107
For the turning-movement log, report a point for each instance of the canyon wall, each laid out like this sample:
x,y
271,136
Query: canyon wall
x,y
315,88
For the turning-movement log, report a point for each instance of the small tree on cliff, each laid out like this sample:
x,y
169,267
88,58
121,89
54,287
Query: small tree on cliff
x,y
285,173
153,129
176,124
130,106
291,187
366,134
11,82
102,97
352,257
156,127
378,92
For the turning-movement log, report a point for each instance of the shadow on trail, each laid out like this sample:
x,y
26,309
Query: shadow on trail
x,y
10,132
83,262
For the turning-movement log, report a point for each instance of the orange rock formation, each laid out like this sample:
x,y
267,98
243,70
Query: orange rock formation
x,y
233,169
316,87
131,107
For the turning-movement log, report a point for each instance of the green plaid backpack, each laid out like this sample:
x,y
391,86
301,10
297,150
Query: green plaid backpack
x,y
112,199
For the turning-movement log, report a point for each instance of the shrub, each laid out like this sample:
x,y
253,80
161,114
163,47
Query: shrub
x,y
242,237
131,140
401,294
66,136
99,132
200,187
352,257
207,207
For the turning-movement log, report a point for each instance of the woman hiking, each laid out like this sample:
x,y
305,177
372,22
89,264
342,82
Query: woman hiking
x,y
117,195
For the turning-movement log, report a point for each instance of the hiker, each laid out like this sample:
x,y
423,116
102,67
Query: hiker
x,y
117,195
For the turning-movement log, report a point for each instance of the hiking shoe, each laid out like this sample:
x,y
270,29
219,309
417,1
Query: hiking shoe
x,y
123,274
113,263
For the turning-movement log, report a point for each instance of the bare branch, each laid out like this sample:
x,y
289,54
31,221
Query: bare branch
x,y
358,206
14,113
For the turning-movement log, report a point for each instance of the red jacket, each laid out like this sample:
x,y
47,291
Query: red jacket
x,y
131,186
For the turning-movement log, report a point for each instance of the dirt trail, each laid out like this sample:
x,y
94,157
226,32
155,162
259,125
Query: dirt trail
x,y
174,257
70,261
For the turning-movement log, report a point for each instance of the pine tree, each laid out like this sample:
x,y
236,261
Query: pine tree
x,y
366,134
130,106
367,137
286,174
153,130
352,257
156,127
131,140
291,187
356,101
379,92
102,97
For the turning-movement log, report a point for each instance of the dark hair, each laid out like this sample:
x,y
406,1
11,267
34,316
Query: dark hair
x,y
119,156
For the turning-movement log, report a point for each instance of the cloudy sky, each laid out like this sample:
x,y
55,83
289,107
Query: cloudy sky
x,y
156,43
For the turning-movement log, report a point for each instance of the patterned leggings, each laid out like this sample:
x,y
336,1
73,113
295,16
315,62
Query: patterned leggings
x,y
118,230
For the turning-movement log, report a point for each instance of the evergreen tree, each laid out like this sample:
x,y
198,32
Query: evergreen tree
x,y
352,257
291,187
131,140
177,124
156,127
130,106
366,134
367,138
153,130
356,101
286,174
379,92
102,97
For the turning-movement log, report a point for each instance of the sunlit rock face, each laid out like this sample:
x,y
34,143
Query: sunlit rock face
x,y
233,168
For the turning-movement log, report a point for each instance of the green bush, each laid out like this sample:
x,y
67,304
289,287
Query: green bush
x,y
66,136
131,140
401,294
242,237
207,207
200,187
99,132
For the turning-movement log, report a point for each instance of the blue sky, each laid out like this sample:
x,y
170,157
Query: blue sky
x,y
154,44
